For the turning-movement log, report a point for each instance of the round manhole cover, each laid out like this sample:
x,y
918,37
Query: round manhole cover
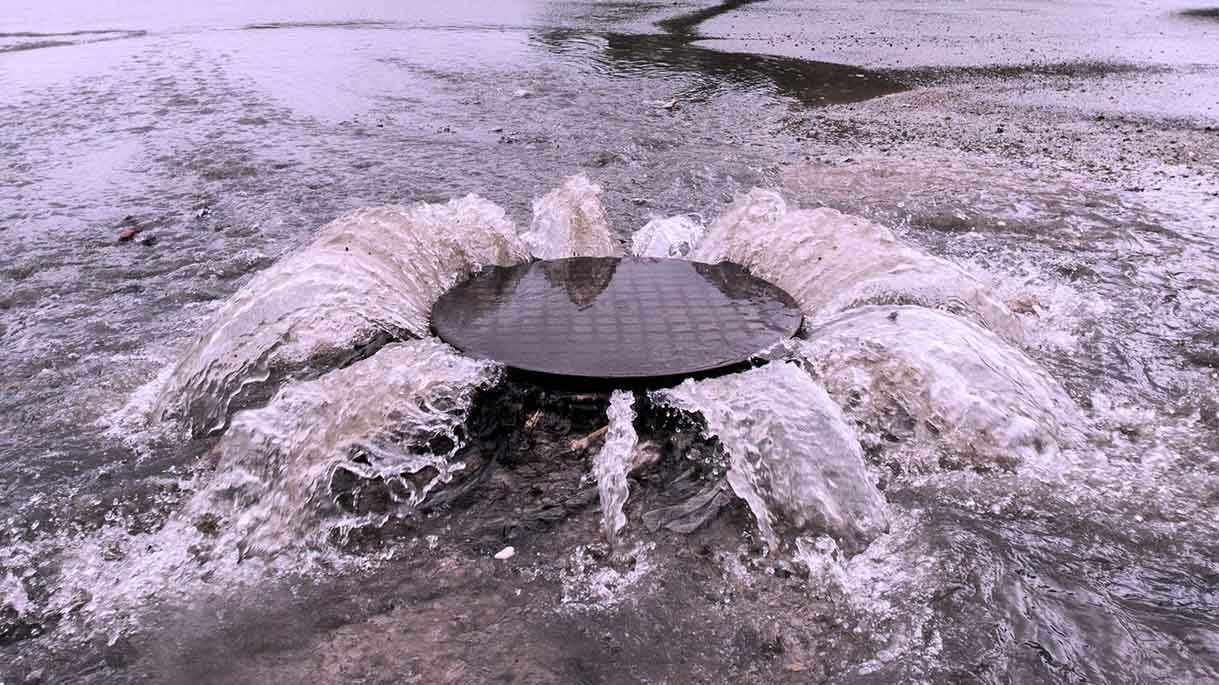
x,y
605,317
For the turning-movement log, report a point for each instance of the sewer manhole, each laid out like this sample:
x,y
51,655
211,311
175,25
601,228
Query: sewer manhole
x,y
615,318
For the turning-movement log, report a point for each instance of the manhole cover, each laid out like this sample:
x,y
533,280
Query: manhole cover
x,y
604,317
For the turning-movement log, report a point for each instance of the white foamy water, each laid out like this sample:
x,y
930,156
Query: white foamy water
x,y
614,461
940,381
369,426
907,363
794,459
369,275
272,503
831,262
570,221
673,237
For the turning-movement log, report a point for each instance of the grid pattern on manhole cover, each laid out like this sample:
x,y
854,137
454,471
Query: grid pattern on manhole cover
x,y
615,318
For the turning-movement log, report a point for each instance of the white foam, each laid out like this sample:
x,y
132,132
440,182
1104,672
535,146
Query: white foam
x,y
269,507
673,237
793,457
943,381
613,462
375,272
831,262
570,221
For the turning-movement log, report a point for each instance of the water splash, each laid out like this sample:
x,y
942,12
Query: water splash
x,y
793,457
370,276
615,461
589,585
570,221
674,237
386,427
943,381
831,262
352,448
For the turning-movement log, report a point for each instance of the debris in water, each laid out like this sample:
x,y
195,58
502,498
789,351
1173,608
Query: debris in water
x,y
581,444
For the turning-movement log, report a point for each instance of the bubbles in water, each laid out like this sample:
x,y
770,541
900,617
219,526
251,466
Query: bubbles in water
x,y
589,585
570,221
612,464
386,427
919,373
674,236
793,457
371,418
359,444
831,262
368,277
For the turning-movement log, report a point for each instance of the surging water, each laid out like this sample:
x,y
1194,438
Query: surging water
x,y
942,382
793,457
673,236
570,221
614,462
831,262
353,449
368,277
887,429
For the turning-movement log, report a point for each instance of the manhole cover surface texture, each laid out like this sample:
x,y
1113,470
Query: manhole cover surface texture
x,y
606,317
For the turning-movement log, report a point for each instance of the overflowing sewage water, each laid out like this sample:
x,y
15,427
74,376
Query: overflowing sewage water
x,y
233,449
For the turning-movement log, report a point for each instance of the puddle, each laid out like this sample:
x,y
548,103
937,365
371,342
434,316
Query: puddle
x,y
677,51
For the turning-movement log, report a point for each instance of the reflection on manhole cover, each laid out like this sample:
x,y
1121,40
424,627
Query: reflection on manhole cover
x,y
604,317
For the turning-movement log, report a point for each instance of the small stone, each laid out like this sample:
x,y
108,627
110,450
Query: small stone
x,y
149,240
506,553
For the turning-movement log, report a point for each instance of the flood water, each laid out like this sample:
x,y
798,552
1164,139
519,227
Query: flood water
x,y
231,450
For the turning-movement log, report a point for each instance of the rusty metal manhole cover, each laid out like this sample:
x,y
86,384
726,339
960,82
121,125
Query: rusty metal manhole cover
x,y
612,318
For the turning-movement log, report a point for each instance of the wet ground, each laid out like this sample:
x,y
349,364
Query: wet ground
x,y
1065,155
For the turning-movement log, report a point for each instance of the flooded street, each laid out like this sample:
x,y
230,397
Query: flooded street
x,y
232,450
